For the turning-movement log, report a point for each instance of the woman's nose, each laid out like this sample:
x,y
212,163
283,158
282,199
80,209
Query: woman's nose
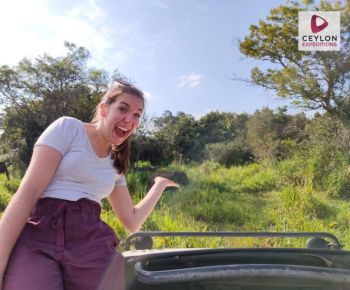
x,y
128,118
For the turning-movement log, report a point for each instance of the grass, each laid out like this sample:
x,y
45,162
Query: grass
x,y
7,188
250,198
256,197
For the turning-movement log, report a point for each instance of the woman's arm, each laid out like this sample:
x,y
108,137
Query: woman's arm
x,y
38,175
132,217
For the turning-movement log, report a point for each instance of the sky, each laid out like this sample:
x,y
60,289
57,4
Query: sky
x,y
181,53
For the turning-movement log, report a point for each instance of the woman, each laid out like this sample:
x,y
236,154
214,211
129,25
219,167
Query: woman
x,y
64,244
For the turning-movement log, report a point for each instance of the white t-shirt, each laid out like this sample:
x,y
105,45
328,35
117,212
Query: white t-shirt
x,y
81,173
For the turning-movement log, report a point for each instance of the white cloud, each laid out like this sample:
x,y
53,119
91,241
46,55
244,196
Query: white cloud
x,y
89,10
191,80
30,28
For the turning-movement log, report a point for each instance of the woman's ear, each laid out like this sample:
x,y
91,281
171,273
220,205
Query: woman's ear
x,y
103,110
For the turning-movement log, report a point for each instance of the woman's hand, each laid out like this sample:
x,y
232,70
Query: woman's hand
x,y
165,181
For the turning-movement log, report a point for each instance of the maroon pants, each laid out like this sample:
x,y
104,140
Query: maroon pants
x,y
65,245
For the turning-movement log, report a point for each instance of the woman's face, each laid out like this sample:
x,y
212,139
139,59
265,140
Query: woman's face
x,y
121,118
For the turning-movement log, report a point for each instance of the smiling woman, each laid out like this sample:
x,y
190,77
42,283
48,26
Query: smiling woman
x,y
116,118
74,165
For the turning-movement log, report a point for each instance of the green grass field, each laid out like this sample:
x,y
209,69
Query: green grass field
x,y
255,197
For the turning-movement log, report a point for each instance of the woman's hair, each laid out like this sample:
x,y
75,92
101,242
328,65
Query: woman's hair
x,y
120,153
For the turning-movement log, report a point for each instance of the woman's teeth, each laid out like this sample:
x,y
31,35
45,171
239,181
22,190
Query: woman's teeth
x,y
121,131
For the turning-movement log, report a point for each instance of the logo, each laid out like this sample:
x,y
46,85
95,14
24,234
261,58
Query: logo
x,y
319,31
317,28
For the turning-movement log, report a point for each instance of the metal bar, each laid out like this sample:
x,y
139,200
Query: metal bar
x,y
235,271
234,234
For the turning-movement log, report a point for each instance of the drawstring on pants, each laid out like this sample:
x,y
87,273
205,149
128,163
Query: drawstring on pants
x,y
62,222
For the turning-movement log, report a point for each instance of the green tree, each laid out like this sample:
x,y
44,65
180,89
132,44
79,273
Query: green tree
x,y
313,80
179,135
221,126
144,146
228,153
270,134
36,92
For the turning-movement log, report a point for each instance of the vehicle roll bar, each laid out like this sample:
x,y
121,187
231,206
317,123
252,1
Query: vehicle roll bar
x,y
335,244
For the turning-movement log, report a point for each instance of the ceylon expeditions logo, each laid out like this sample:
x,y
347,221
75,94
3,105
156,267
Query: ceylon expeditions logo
x,y
319,30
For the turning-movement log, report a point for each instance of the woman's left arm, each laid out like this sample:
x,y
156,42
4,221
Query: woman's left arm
x,y
133,216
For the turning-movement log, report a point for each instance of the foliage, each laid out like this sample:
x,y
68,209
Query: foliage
x,y
137,183
304,186
304,201
270,134
240,198
36,92
313,80
143,146
320,161
227,154
151,149
328,151
218,127
179,136
7,189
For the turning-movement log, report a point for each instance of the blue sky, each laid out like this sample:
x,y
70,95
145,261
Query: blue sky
x,y
180,52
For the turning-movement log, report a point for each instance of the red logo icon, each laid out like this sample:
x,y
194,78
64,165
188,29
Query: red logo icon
x,y
317,28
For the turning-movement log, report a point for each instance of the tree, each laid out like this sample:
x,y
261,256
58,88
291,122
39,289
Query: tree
x,y
144,146
179,135
313,80
269,133
228,153
36,92
217,127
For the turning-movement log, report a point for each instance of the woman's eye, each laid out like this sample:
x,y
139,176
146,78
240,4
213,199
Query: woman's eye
x,y
122,109
138,116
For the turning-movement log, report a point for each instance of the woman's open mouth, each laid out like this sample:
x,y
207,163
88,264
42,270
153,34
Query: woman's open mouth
x,y
121,131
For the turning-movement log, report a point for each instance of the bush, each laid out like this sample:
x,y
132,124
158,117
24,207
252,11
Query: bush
x,y
338,183
142,164
5,193
208,167
12,185
293,171
328,169
137,183
227,154
4,200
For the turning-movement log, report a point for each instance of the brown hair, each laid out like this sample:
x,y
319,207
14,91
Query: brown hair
x,y
120,153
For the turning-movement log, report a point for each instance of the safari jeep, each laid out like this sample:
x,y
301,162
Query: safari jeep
x,y
321,264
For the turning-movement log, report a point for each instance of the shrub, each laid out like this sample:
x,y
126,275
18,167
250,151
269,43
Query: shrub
x,y
227,154
7,189
337,183
137,183
208,167
4,200
293,171
328,170
12,185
